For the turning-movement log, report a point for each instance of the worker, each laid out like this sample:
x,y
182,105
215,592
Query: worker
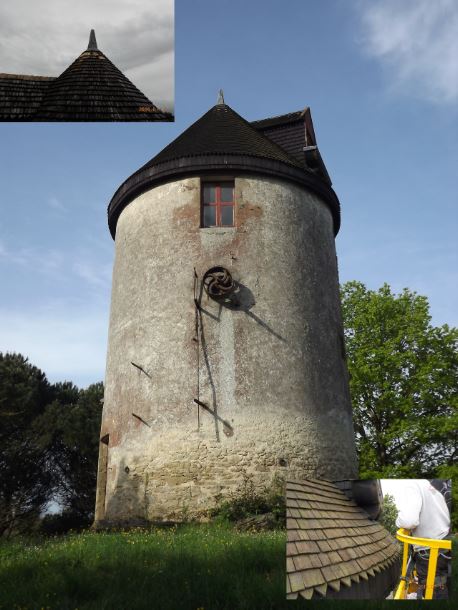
x,y
423,510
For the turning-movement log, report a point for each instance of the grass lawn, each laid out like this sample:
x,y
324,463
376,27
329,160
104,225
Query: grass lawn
x,y
192,567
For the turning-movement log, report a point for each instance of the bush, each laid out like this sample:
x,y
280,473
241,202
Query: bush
x,y
61,523
247,501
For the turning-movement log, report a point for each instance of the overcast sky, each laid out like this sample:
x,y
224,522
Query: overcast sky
x,y
44,37
380,78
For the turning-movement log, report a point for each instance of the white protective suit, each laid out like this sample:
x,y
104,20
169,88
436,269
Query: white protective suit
x,y
423,510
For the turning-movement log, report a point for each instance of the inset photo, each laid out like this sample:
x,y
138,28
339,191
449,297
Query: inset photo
x,y
368,539
87,61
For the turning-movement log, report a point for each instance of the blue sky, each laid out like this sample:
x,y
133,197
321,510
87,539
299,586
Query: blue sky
x,y
381,79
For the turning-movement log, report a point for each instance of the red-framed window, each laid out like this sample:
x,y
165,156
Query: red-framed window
x,y
218,204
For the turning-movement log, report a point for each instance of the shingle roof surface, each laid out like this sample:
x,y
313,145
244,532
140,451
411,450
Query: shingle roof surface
x,y
21,95
92,88
222,131
289,131
291,137
331,541
282,119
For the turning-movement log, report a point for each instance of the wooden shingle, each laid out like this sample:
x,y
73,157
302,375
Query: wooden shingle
x,y
336,543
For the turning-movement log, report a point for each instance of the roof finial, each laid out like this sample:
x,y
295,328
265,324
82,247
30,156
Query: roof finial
x,y
220,97
92,46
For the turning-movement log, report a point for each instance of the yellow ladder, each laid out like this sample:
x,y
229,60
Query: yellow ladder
x,y
434,545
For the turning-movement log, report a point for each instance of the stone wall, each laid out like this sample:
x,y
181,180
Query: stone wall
x,y
271,372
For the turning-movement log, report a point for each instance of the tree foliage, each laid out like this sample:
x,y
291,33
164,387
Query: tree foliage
x,y
403,382
24,479
49,439
451,472
69,433
389,514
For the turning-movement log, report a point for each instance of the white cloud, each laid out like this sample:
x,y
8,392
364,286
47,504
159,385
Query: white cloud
x,y
45,37
47,261
93,266
56,204
416,42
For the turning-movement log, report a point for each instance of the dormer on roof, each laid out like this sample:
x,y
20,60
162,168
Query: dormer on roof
x,y
294,132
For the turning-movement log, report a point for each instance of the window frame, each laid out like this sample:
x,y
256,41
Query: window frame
x,y
218,204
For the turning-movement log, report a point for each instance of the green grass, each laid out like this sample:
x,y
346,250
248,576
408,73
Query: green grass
x,y
208,566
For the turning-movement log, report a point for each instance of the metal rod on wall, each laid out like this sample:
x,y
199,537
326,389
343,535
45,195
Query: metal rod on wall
x,y
196,339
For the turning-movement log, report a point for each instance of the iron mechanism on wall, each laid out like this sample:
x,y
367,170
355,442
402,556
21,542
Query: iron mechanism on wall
x,y
218,283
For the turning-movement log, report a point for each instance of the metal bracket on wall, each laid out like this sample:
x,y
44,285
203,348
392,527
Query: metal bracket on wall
x,y
227,428
140,368
141,419
196,340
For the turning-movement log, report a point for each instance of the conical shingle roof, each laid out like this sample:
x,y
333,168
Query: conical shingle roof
x,y
220,141
221,131
92,88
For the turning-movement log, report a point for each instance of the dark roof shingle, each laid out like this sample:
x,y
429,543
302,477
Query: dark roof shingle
x,y
92,88
280,120
21,95
221,131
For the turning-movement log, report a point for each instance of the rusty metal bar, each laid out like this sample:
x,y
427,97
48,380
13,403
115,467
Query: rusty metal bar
x,y
202,404
196,339
141,419
227,428
140,368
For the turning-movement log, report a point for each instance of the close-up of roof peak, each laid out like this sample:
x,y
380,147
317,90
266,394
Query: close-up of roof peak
x,y
92,46
92,88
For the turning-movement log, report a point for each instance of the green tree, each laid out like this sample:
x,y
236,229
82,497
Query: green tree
x,y
25,480
69,433
451,472
403,382
389,514
49,446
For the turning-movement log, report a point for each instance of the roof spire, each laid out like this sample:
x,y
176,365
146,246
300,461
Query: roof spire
x,y
92,46
220,97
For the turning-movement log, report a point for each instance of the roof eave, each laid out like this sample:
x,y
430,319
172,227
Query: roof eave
x,y
151,176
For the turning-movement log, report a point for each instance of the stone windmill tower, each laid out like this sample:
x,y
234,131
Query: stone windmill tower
x,y
226,356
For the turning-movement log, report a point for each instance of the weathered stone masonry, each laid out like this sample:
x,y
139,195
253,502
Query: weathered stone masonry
x,y
271,371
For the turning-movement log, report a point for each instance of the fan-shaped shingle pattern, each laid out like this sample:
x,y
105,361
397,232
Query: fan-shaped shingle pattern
x,y
92,88
332,543
221,131
21,95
